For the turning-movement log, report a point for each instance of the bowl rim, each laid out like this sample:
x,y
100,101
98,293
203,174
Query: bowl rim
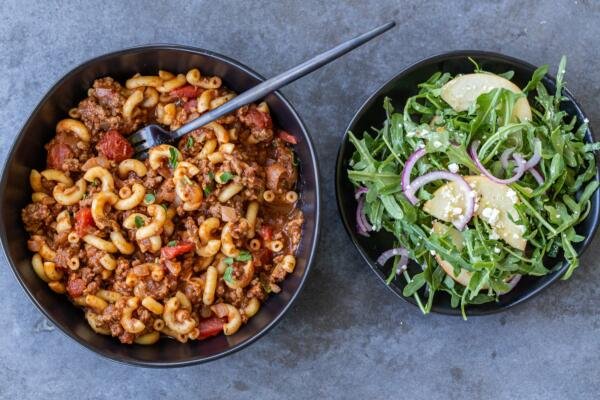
x,y
369,102
314,164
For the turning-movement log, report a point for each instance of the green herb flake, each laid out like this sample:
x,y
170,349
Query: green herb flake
x,y
244,256
226,177
149,198
189,143
174,157
139,221
228,275
228,260
207,190
172,243
211,175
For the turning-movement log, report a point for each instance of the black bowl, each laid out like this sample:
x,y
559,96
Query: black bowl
x,y
371,114
28,152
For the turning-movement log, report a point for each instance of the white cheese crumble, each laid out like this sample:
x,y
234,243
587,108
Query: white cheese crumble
x,y
496,250
494,235
433,253
512,195
437,144
490,215
453,167
421,145
585,120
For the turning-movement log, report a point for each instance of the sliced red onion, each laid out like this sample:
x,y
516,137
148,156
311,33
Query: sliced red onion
x,y
398,251
533,170
518,174
537,155
362,225
408,166
512,283
449,176
360,191
537,176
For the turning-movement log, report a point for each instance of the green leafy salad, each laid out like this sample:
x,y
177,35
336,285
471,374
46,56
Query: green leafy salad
x,y
478,186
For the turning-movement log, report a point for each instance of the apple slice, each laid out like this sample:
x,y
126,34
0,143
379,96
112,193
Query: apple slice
x,y
495,203
463,90
456,237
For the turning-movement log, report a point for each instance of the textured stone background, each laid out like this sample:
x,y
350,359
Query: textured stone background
x,y
347,336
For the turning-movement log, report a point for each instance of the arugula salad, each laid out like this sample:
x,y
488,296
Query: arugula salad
x,y
478,186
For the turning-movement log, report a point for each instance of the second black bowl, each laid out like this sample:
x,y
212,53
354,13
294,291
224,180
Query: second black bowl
x,y
372,114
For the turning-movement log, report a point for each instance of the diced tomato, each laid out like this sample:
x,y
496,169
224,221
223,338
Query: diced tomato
x,y
75,287
287,137
191,105
83,221
188,91
57,154
170,252
114,146
210,327
266,232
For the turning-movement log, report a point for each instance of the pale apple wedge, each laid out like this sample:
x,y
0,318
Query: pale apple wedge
x,y
456,237
495,202
463,90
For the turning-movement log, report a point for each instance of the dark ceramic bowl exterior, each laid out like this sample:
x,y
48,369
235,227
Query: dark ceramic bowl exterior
x,y
28,152
371,113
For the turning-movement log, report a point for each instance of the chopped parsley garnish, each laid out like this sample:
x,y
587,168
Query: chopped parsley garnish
x,y
226,177
139,221
149,198
174,157
172,243
189,142
228,260
244,256
208,190
228,275
211,175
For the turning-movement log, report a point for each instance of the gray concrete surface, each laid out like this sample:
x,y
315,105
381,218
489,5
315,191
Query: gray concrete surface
x,y
347,336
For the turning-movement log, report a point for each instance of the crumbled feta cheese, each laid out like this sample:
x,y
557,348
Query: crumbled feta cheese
x,y
421,145
433,253
453,167
494,235
512,195
437,144
490,215
496,250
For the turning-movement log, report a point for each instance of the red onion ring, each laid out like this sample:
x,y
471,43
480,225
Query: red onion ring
x,y
449,176
537,155
360,191
537,176
535,159
520,166
362,225
398,251
512,283
408,166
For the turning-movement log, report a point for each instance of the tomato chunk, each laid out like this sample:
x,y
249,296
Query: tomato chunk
x,y
170,252
57,154
210,327
266,232
188,91
83,221
114,146
287,137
